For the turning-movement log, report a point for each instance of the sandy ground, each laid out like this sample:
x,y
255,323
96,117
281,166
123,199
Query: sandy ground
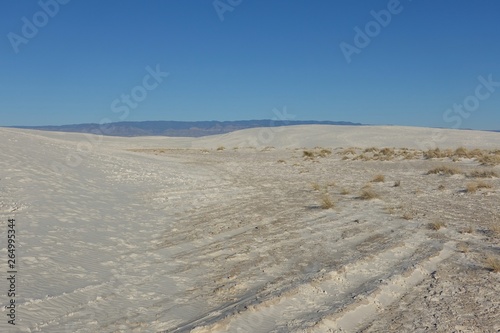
x,y
173,235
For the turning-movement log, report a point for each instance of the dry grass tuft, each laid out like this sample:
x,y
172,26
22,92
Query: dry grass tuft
x,y
367,194
397,183
378,179
221,148
324,152
436,225
444,170
482,174
473,187
467,230
492,263
408,216
316,186
490,159
463,247
348,151
344,191
441,187
281,161
326,201
308,154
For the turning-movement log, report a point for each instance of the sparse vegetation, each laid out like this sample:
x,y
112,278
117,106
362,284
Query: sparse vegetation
x,y
408,216
316,186
463,247
436,225
473,187
367,194
324,152
482,174
444,170
378,178
308,154
344,191
397,183
326,201
348,151
281,161
468,230
220,148
492,263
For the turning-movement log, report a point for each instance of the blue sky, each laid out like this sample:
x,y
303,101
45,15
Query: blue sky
x,y
245,58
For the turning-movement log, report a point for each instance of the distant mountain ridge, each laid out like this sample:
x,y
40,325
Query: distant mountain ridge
x,y
178,128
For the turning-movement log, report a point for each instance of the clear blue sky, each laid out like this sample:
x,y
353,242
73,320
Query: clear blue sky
x,y
263,55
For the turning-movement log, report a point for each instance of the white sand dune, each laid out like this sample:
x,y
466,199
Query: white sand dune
x,y
155,234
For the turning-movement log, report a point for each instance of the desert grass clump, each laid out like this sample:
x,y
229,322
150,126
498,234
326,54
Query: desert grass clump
x,y
408,216
441,187
324,152
492,263
482,174
467,230
461,152
436,225
463,247
308,154
326,201
473,187
220,148
495,228
316,186
489,159
348,151
344,191
367,194
281,161
397,183
378,179
444,170
371,150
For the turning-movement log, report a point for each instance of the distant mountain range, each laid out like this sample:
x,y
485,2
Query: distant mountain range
x,y
178,128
